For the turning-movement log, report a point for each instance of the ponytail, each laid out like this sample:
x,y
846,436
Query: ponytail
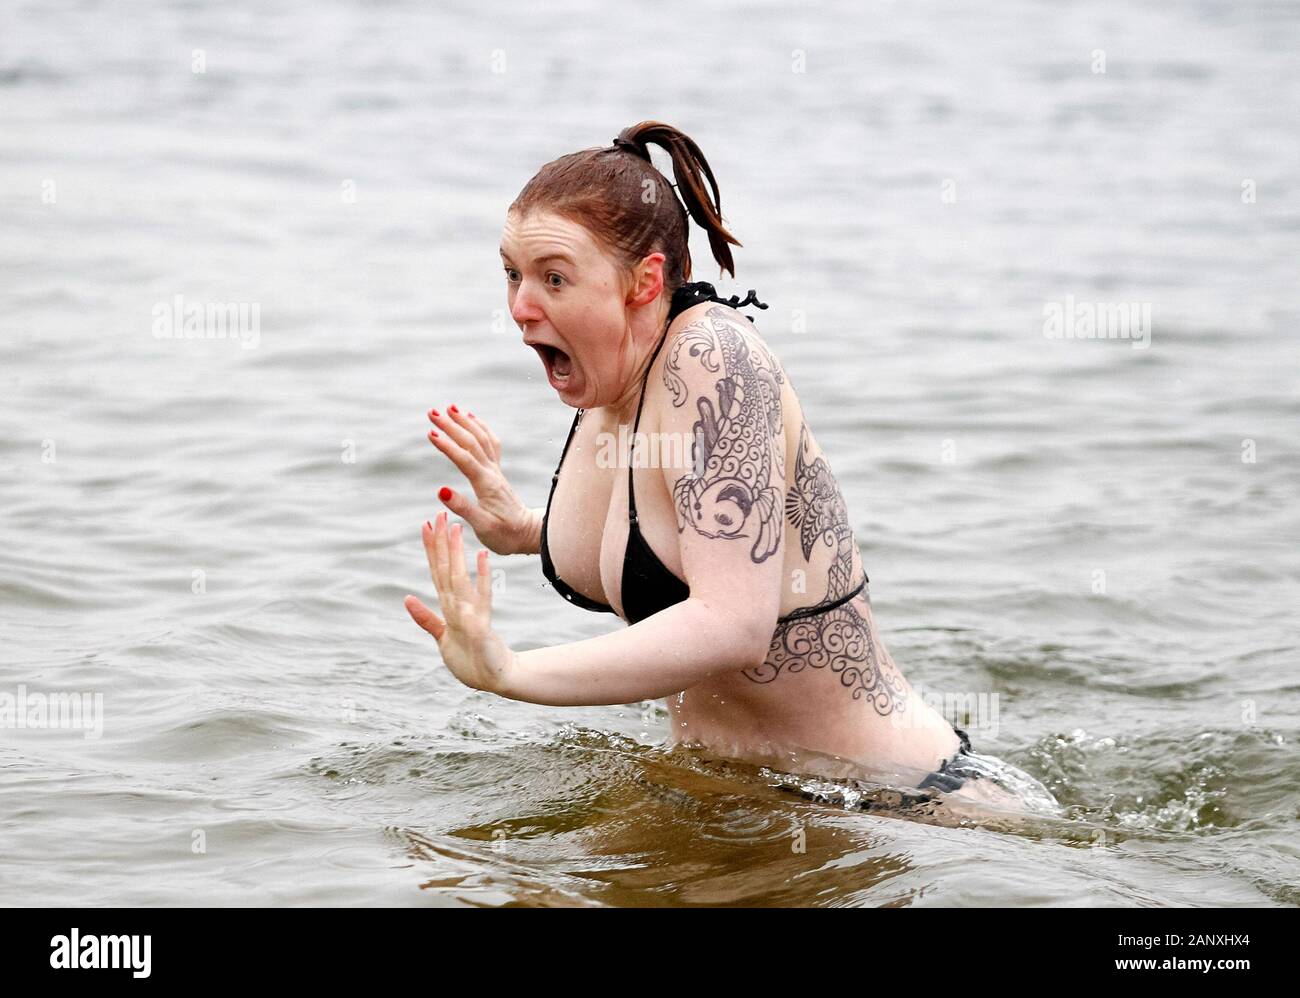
x,y
689,166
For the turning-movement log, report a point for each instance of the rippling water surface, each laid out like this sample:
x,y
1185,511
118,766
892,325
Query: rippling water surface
x,y
216,538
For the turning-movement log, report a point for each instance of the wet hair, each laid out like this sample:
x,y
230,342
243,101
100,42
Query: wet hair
x,y
616,193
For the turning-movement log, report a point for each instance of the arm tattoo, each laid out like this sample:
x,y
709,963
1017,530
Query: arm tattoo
x,y
815,505
738,438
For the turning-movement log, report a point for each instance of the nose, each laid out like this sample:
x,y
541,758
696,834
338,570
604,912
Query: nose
x,y
524,309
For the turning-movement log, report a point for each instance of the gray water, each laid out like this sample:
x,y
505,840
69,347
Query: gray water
x,y
215,536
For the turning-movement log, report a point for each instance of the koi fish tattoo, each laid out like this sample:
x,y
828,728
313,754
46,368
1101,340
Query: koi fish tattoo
x,y
738,439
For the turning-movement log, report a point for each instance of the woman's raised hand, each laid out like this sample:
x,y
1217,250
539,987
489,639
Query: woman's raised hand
x,y
470,648
500,520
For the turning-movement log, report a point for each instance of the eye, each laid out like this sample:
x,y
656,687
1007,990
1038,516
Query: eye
x,y
509,271
555,275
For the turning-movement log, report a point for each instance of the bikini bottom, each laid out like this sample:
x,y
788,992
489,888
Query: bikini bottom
x,y
1004,785
952,773
1007,779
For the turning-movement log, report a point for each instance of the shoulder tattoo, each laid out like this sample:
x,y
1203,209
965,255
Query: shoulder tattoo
x,y
737,437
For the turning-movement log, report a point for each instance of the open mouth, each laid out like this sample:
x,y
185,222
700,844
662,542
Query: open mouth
x,y
559,366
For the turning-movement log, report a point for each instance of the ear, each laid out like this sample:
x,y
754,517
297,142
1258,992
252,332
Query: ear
x,y
647,280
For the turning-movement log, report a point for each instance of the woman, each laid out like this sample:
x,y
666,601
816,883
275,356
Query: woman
x,y
728,551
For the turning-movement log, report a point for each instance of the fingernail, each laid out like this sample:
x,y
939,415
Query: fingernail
x,y
433,412
444,493
433,434
454,409
473,415
442,518
428,524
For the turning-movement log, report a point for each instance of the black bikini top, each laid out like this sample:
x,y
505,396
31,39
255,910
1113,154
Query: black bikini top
x,y
648,586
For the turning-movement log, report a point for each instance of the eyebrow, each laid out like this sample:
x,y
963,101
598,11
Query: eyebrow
x,y
549,256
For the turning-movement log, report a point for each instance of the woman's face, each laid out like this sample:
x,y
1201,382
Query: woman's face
x,y
570,301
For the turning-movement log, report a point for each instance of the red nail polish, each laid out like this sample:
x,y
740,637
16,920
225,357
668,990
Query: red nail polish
x,y
444,493
433,434
454,409
428,524
433,412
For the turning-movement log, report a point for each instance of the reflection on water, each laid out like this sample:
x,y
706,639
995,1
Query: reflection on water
x,y
680,828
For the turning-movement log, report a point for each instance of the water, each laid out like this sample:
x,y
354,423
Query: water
x,y
217,539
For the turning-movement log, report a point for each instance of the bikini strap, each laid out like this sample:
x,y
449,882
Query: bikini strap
x,y
572,429
808,611
631,495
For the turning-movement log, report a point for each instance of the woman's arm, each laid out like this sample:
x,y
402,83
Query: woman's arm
x,y
668,652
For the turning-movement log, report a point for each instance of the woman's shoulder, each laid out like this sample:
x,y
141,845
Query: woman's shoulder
x,y
719,338
716,355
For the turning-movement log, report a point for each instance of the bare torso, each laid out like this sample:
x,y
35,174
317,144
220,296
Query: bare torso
x,y
829,700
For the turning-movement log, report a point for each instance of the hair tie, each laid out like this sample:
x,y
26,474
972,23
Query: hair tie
x,y
633,147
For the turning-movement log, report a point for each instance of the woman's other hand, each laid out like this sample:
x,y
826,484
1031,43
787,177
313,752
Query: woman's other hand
x,y
501,522
470,648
